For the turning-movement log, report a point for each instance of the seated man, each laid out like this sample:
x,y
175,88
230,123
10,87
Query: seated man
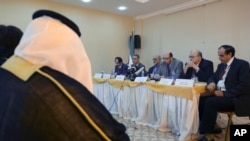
x,y
198,67
154,69
120,67
230,86
9,39
48,93
170,67
137,65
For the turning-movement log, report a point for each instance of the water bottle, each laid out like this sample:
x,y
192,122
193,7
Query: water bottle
x,y
112,75
102,72
142,74
195,78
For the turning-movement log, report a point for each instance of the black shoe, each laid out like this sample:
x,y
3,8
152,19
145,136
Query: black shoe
x,y
205,138
217,129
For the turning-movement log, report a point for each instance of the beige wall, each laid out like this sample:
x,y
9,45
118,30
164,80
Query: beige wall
x,y
205,28
104,35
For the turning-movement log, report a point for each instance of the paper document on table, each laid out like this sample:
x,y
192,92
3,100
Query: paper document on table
x,y
141,79
166,81
98,75
106,76
120,77
200,83
184,82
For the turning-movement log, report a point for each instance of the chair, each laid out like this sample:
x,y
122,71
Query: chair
x,y
230,114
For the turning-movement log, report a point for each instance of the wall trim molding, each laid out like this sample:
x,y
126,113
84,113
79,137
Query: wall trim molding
x,y
180,7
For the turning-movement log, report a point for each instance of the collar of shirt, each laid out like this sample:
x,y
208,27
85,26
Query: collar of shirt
x,y
230,62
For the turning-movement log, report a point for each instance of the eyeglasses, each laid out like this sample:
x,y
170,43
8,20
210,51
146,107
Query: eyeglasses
x,y
154,59
134,58
165,58
191,57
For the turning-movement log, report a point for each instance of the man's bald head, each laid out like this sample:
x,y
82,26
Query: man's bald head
x,y
167,57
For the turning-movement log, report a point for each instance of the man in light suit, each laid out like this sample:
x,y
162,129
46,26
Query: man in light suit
x,y
198,67
230,87
170,67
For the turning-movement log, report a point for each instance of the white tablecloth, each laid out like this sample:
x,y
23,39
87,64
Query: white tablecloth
x,y
143,105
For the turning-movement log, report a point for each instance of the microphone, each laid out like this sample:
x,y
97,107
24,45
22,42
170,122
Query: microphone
x,y
139,71
133,68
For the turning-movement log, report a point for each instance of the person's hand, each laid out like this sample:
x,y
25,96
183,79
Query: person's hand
x,y
211,87
219,93
186,68
191,64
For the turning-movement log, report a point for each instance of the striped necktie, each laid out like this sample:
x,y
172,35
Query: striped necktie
x,y
223,70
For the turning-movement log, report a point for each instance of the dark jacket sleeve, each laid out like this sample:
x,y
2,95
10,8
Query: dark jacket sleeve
x,y
238,79
216,76
206,71
179,70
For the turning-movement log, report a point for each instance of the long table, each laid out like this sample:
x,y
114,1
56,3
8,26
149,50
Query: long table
x,y
167,108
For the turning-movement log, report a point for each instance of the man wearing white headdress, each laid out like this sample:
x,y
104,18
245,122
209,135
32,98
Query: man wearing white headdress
x,y
45,91
48,42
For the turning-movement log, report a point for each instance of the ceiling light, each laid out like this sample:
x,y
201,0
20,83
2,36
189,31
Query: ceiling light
x,y
122,8
86,0
142,1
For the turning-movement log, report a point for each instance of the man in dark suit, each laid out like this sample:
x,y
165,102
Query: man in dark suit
x,y
9,39
152,71
120,67
230,87
198,68
138,65
201,70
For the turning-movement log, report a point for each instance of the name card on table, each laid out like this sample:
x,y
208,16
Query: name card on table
x,y
166,81
98,75
184,82
120,77
106,76
200,83
141,79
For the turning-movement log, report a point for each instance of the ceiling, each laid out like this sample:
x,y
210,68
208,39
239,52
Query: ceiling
x,y
134,9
